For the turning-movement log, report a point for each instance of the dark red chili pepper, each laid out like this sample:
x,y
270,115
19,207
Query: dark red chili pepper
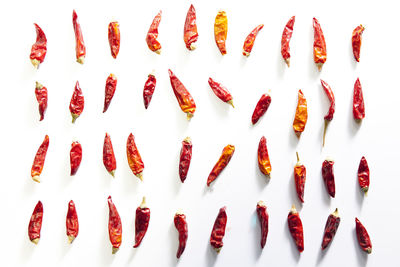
x,y
220,91
77,103
328,176
148,89
331,226
39,48
72,222
111,85
218,231
141,222
114,226
41,97
358,102
296,228
356,39
185,99
151,37
300,178
80,48
75,157
134,159
285,42
328,117
39,160
114,38
363,175
363,237
263,218
181,226
185,158
261,107
190,34
222,162
108,155
264,164
249,42
35,223
319,45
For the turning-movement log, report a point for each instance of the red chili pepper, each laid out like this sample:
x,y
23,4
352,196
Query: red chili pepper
x,y
261,107
220,91
263,218
264,164
190,34
114,226
185,99
151,38
356,39
319,45
249,42
77,103
39,160
181,226
363,175
331,226
80,44
39,48
41,97
218,231
300,178
108,155
363,237
72,222
114,38
222,162
328,117
141,222
111,85
296,228
328,176
185,158
358,102
148,89
285,42
35,223
75,156
134,159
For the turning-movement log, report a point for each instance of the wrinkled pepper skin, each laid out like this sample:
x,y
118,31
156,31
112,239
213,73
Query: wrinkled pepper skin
x,y
39,160
319,45
221,31
220,91
222,162
151,37
35,223
296,228
182,228
134,159
190,34
328,176
329,116
114,226
285,42
263,217
185,158
185,99
331,226
108,155
41,97
80,47
148,89
111,86
39,48
363,237
75,157
218,231
358,102
261,107
264,164
114,38
301,116
250,39
300,174
363,175
72,223
77,103
356,39
141,222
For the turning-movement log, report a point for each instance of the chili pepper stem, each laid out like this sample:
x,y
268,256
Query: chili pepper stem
x,y
81,59
287,62
246,54
158,51
319,66
114,250
298,134
35,63
217,250
369,250
298,159
365,190
293,209
261,203
112,173
192,46
336,213
143,204
39,85
71,239
35,241
74,117
189,116
36,178
325,127
140,176
230,102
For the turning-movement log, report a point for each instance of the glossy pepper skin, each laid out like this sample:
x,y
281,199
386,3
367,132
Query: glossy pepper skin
x,y
114,38
134,159
328,176
261,107
221,31
356,39
363,175
300,174
190,34
296,228
331,226
301,116
75,157
111,86
39,160
108,155
72,223
41,97
319,45
218,231
77,103
148,89
185,99
358,102
263,217
185,158
35,223
114,226
250,39
80,47
264,164
141,222
39,48
329,116
222,162
363,237
220,91
151,37
182,228
285,42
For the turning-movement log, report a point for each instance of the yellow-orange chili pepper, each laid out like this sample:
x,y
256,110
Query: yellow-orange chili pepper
x,y
300,119
221,31
185,99
264,163
222,162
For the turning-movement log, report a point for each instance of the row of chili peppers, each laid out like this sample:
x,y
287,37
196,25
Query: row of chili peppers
x,y
190,37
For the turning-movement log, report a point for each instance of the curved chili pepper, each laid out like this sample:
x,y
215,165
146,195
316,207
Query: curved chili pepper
x,y
108,155
358,102
319,45
77,103
301,116
111,85
220,91
134,159
218,231
185,158
222,162
296,228
328,117
285,42
185,99
39,160
181,226
328,176
264,164
141,222
300,174
35,223
41,97
114,38
249,42
190,34
261,107
221,31
363,175
80,48
263,218
363,237
356,39
75,157
39,48
151,37
114,226
148,89
331,226
72,222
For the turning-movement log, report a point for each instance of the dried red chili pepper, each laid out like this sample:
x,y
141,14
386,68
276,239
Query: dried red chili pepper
x,y
285,42
328,117
300,174
356,39
72,222
185,158
141,222
264,164
41,97
331,226
263,218
35,223
134,158
363,237
151,37
114,226
261,107
77,103
111,85
301,116
218,231
39,160
75,157
39,48
181,226
249,42
363,175
328,176
221,31
148,89
114,38
222,162
296,228
185,99
190,34
220,91
319,45
108,155
358,102
80,48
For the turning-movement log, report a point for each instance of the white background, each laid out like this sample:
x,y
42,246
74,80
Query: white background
x,y
160,130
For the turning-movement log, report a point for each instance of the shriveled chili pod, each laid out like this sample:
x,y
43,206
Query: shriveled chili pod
x,y
77,103
250,39
114,38
329,116
190,34
301,116
148,89
264,164
328,176
35,223
134,159
285,42
261,107
111,85
185,99
220,91
41,97
39,48
72,223
222,162
185,158
300,174
218,231
80,47
358,102
331,226
221,31
263,217
141,222
319,45
356,39
363,237
108,156
182,228
151,37
40,157
296,228
75,157
114,226
363,175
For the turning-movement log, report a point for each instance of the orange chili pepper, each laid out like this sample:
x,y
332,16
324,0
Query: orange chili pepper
x,y
249,42
185,99
221,31
151,38
356,39
39,160
114,38
319,45
263,158
300,119
134,159
222,162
